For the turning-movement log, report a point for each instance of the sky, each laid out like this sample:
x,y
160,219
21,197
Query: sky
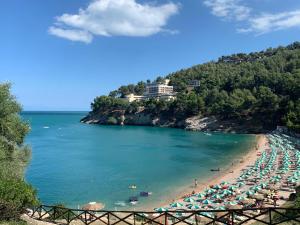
x,y
61,54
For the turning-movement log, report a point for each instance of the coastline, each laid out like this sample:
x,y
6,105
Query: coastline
x,y
239,163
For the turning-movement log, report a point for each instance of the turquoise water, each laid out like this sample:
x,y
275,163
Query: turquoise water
x,y
74,163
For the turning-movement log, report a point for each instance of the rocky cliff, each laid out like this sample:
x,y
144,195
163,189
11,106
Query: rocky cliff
x,y
195,123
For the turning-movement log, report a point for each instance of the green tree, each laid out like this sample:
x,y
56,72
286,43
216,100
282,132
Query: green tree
x,y
15,193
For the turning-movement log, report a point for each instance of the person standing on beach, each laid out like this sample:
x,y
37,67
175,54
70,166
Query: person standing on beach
x,y
196,183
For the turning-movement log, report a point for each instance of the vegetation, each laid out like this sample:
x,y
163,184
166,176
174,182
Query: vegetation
x,y
263,87
15,193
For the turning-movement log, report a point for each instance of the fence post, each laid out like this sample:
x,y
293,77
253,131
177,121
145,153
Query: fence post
x,y
270,216
54,212
85,219
108,220
166,218
232,217
68,216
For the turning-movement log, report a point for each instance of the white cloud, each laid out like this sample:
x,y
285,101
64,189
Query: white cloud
x,y
73,35
235,10
271,22
228,9
114,18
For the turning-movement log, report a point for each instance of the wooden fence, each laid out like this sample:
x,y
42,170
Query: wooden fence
x,y
271,216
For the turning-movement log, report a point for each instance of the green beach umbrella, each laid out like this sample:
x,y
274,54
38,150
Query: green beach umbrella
x,y
206,201
194,207
240,198
210,191
217,187
232,188
176,205
219,208
250,192
207,214
161,209
232,203
240,184
224,183
189,200
200,195
227,192
263,185
257,188
217,196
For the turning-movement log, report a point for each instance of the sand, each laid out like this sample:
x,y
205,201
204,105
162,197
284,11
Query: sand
x,y
230,174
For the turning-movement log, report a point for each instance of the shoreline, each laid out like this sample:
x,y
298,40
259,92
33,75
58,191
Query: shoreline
x,y
238,164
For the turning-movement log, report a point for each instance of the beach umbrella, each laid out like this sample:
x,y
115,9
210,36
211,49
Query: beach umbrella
x,y
210,191
217,196
224,183
143,215
93,206
207,214
176,205
263,185
189,200
200,195
217,187
232,203
161,209
257,188
206,202
240,198
232,188
194,207
293,180
227,192
249,192
240,184
220,208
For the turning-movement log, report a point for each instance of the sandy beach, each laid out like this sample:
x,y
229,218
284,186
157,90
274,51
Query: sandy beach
x,y
229,174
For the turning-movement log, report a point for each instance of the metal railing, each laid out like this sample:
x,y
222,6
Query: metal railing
x,y
271,216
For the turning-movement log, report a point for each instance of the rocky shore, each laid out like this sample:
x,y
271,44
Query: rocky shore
x,y
195,123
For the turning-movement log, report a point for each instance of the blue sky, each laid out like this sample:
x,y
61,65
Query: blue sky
x,y
60,54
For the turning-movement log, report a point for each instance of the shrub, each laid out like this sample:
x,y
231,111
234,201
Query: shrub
x,y
112,121
17,193
9,211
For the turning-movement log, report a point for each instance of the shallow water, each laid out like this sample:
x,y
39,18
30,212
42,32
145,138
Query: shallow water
x,y
74,163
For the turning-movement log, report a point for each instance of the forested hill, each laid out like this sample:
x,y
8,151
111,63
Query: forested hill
x,y
258,90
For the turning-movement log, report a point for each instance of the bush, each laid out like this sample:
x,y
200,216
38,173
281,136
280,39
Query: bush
x,y
61,212
112,121
9,211
17,193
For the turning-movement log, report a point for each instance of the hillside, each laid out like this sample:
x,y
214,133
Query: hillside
x,y
247,93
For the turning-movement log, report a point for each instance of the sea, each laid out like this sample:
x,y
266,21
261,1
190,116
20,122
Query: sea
x,y
74,163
